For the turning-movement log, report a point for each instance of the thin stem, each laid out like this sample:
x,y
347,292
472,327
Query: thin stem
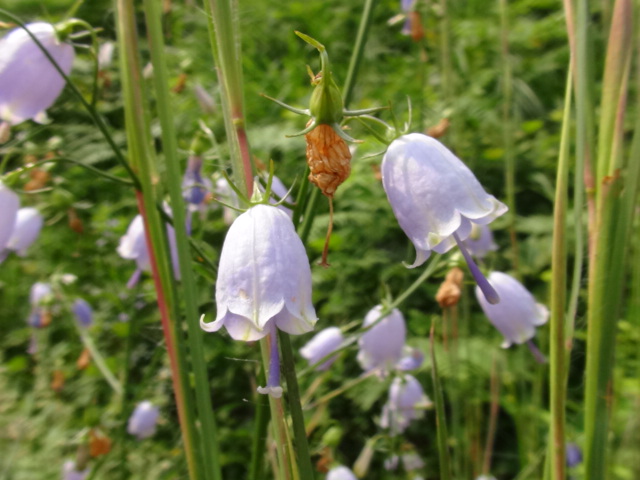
x,y
441,421
208,429
297,417
358,49
99,361
493,416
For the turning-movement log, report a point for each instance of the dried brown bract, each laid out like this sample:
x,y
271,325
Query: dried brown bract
x,y
449,292
329,159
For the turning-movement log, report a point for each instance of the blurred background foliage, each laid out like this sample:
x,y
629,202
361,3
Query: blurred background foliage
x,y
47,404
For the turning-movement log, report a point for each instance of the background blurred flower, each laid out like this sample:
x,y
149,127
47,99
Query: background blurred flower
x,y
407,402
25,231
381,347
574,455
480,241
29,83
517,314
69,471
341,473
142,422
9,205
322,344
83,312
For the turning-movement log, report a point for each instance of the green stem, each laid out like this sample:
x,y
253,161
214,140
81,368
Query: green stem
x,y
143,160
208,429
441,421
358,49
297,417
98,359
558,323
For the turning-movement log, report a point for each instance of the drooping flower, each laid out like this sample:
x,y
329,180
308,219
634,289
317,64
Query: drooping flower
x,y
29,83
143,421
264,276
341,473
480,241
407,402
517,315
133,246
321,345
9,205
410,461
25,231
436,198
381,347
70,471
264,283
83,312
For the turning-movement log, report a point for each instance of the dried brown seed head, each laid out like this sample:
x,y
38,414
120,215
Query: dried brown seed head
x,y
329,159
450,291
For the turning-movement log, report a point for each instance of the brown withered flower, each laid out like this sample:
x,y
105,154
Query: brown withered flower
x,y
329,159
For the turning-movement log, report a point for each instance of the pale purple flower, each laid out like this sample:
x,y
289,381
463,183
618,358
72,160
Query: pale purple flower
x,y
411,461
143,420
25,231
29,83
406,6
573,454
133,246
9,205
264,277
321,345
517,315
105,55
70,472
381,347
480,242
341,473
264,283
194,188
411,359
83,312
407,402
436,198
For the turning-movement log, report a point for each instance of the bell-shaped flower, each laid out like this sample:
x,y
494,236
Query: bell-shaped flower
x,y
323,344
142,422
480,242
407,401
25,231
70,471
517,315
133,246
83,312
436,198
382,346
341,473
29,83
9,205
264,277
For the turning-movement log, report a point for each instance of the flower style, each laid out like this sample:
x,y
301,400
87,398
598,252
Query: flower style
x,y
25,231
264,277
406,402
9,205
323,344
133,246
436,198
341,473
382,346
70,471
143,420
29,83
480,241
518,313
83,312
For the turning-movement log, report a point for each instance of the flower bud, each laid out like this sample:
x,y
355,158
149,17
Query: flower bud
x,y
25,231
143,420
